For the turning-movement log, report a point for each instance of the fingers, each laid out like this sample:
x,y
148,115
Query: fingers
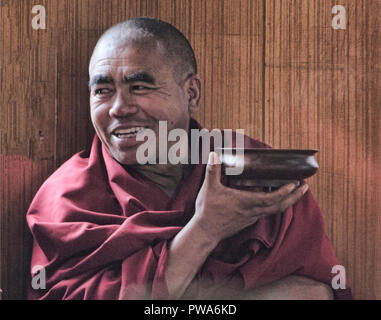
x,y
262,199
286,202
268,199
213,169
259,204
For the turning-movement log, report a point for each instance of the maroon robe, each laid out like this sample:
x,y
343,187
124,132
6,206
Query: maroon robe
x,y
102,231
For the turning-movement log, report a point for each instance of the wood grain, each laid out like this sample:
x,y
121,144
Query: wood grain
x,y
274,68
323,91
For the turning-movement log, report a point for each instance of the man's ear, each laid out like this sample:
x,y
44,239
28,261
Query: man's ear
x,y
193,93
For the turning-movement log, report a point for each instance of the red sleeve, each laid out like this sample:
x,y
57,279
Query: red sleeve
x,y
314,249
295,243
300,247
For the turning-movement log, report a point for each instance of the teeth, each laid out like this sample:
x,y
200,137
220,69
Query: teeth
x,y
130,132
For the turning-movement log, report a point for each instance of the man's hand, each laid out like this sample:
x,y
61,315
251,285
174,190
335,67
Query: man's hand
x,y
222,211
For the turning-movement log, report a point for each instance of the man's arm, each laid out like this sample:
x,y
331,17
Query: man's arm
x,y
220,213
187,252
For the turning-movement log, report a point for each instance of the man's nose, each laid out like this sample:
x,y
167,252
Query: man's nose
x,y
124,105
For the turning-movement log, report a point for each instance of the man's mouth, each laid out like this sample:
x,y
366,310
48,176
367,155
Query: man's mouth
x,y
128,133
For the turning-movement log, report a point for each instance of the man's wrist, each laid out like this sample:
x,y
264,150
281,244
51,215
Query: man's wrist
x,y
202,234
187,252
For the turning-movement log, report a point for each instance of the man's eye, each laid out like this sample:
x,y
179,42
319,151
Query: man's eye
x,y
101,91
140,88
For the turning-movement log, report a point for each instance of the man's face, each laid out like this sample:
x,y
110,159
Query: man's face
x,y
132,87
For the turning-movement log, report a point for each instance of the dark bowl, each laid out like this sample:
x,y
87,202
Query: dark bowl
x,y
268,167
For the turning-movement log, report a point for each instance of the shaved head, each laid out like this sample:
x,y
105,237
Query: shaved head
x,y
154,34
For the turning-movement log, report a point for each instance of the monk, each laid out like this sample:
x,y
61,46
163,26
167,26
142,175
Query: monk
x,y
107,227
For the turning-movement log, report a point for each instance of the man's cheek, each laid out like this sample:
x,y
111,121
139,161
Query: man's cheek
x,y
99,117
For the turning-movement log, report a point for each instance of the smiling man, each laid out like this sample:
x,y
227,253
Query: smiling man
x,y
137,81
106,227
134,85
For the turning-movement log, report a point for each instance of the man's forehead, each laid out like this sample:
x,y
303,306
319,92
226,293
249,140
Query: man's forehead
x,y
122,63
121,68
119,50
127,62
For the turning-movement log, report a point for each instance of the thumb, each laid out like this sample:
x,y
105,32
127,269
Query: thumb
x,y
213,169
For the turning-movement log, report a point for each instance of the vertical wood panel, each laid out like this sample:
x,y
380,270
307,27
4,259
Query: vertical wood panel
x,y
228,41
27,136
316,88
44,101
323,91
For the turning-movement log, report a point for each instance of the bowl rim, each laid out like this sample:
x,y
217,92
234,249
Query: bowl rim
x,y
270,150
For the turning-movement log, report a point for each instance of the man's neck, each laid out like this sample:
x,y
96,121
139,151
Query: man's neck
x,y
166,176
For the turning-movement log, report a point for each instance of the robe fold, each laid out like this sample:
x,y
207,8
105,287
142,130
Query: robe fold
x,y
101,231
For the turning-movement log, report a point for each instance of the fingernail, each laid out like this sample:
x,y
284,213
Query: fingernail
x,y
213,158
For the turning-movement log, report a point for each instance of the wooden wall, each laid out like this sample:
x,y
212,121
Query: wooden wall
x,y
275,68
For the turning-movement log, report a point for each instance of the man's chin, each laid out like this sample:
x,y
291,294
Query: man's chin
x,y
124,158
126,161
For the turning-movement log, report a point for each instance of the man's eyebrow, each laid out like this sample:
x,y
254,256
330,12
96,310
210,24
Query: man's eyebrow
x,y
139,77
100,79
